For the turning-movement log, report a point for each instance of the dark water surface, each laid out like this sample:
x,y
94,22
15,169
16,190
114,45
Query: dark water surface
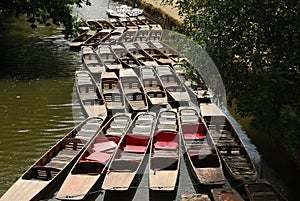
x,y
37,109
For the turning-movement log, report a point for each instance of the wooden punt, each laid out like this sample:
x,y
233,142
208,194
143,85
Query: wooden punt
x,y
98,37
167,50
228,194
129,160
155,33
127,59
112,92
140,55
94,24
76,43
109,59
113,37
232,150
128,35
105,24
92,62
151,23
133,90
173,85
154,89
137,22
164,160
91,98
116,23
142,34
262,190
48,172
128,24
93,162
156,54
194,197
201,155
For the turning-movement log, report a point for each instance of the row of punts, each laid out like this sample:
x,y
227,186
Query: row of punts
x,y
125,76
111,153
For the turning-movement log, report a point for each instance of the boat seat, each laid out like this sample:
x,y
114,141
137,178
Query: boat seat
x,y
98,157
166,145
135,148
44,173
105,146
195,136
192,128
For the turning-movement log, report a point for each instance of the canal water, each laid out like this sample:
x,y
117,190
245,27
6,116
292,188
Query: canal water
x,y
38,105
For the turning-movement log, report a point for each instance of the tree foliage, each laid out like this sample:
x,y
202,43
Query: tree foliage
x,y
47,12
256,47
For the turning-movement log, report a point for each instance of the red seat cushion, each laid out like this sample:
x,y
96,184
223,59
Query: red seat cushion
x,y
135,148
99,157
166,145
193,128
195,136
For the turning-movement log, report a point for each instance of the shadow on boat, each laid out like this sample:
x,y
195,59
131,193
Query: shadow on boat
x,y
162,195
124,195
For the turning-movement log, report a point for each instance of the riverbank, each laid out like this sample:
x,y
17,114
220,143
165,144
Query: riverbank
x,y
165,14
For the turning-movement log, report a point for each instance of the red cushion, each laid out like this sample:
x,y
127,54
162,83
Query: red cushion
x,y
99,157
166,145
134,148
106,139
166,136
195,136
192,128
138,140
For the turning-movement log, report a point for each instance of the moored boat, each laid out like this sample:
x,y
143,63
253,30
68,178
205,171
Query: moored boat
x,y
92,62
142,34
200,153
164,159
129,160
90,97
128,24
133,90
112,92
76,43
128,35
98,37
153,87
228,194
262,190
109,59
232,150
171,82
167,50
156,54
48,172
140,55
194,197
105,24
93,162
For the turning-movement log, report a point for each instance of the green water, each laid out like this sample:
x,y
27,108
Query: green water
x,y
36,85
